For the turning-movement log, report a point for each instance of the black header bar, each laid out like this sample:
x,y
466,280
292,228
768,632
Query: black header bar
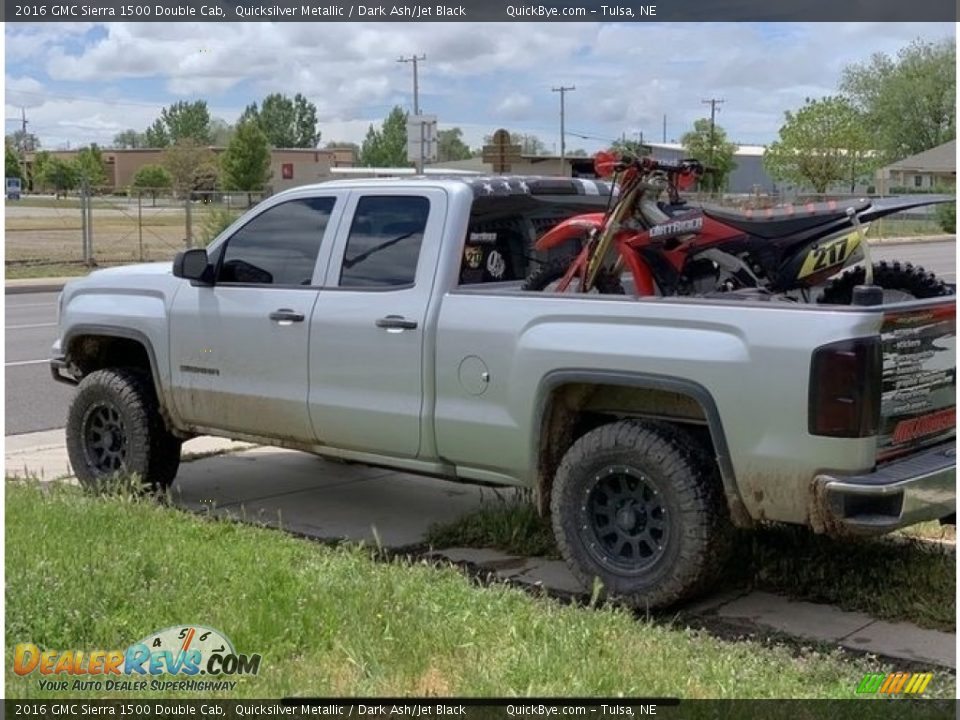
x,y
136,708
481,11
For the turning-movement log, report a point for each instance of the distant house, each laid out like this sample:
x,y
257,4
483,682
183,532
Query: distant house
x,y
936,167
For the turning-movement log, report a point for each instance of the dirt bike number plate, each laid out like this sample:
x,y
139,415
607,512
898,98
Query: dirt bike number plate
x,y
829,254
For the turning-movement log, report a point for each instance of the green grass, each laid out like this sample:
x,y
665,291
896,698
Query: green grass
x,y
896,580
90,572
931,530
904,227
45,270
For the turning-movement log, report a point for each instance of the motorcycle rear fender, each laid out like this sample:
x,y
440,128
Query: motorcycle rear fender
x,y
574,228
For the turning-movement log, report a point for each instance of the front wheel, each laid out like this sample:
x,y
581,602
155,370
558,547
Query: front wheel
x,y
900,281
115,430
546,277
639,505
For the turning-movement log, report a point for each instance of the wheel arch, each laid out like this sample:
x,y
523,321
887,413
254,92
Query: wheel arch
x,y
565,397
91,347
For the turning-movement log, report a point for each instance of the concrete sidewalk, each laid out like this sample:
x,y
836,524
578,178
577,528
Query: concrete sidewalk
x,y
332,501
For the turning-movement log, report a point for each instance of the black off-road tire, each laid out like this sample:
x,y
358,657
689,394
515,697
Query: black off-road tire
x,y
553,270
905,277
679,475
115,430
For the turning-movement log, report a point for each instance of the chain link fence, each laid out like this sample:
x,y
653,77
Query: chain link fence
x,y
66,233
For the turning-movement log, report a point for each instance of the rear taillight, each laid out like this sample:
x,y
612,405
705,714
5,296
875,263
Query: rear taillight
x,y
845,382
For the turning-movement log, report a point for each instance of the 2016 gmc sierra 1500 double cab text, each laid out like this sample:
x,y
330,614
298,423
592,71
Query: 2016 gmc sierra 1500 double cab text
x,y
381,321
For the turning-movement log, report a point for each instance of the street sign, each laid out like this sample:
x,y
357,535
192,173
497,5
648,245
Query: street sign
x,y
501,153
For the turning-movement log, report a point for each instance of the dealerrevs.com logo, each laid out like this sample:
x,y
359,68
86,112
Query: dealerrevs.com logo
x,y
183,652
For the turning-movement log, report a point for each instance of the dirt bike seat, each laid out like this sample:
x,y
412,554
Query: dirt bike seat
x,y
781,222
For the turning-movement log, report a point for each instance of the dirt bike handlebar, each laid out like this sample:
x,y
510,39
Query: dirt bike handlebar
x,y
688,166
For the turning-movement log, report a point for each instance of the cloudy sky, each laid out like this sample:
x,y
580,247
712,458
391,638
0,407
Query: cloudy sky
x,y
82,83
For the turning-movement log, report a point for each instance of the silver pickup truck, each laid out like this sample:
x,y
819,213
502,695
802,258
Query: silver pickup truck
x,y
381,321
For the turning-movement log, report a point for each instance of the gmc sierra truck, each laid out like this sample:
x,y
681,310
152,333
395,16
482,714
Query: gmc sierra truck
x,y
381,321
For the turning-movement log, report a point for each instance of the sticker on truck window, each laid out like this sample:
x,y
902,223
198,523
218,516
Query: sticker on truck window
x,y
473,256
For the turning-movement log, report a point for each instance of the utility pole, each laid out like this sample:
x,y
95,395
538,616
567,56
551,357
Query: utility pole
x,y
664,127
712,102
563,136
416,102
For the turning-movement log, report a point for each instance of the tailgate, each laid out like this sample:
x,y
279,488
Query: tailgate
x,y
918,406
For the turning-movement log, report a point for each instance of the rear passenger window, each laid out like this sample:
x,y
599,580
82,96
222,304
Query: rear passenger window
x,y
384,242
279,246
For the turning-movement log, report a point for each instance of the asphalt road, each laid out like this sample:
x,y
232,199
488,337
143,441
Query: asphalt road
x,y
35,402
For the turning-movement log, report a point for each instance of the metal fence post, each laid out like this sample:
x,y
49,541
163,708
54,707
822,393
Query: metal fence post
x,y
90,258
140,222
189,238
83,225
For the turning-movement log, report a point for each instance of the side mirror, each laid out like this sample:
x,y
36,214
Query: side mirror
x,y
193,265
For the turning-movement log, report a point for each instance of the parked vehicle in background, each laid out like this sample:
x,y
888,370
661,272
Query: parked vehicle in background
x,y
13,188
382,321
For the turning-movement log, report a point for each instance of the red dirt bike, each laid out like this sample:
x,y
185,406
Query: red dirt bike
x,y
671,249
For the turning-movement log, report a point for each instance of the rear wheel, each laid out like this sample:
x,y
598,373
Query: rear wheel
x,y
900,281
115,430
546,277
639,505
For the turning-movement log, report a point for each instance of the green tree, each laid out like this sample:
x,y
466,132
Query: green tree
x,y
36,169
90,167
188,164
823,143
246,162
152,178
631,147
129,139
221,132
529,144
24,141
11,162
187,120
386,147
909,103
207,175
156,135
286,122
711,147
947,217
450,145
60,175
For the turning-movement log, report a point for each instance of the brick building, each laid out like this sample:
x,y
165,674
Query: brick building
x,y
289,166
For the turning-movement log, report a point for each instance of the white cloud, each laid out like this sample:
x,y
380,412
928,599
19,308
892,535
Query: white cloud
x,y
477,75
515,106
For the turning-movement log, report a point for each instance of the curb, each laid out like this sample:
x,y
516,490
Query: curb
x,y
52,286
919,240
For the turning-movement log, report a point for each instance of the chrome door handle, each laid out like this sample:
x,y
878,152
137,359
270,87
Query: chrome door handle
x,y
396,322
286,315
